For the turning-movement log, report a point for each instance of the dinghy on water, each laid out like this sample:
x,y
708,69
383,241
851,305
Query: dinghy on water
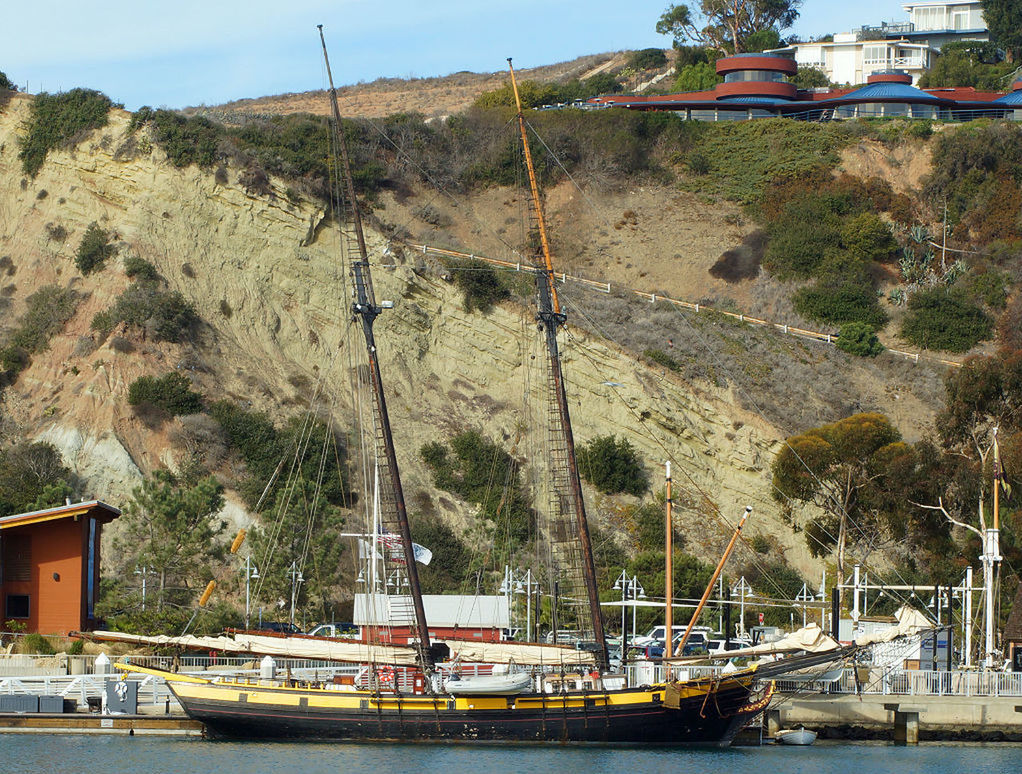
x,y
795,736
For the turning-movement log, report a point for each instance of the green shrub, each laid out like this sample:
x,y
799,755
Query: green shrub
x,y
612,466
76,648
858,338
56,120
942,318
36,644
801,237
171,392
94,250
187,141
839,301
647,59
165,313
140,269
46,311
868,237
481,285
481,472
662,358
6,83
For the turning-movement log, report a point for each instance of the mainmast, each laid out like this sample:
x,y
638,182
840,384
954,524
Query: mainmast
x,y
551,318
366,310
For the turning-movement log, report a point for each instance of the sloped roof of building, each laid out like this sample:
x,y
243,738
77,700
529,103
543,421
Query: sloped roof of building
x,y
104,511
891,91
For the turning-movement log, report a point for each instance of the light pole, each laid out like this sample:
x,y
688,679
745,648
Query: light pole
x,y
742,588
622,584
525,586
804,596
638,592
251,574
296,581
144,571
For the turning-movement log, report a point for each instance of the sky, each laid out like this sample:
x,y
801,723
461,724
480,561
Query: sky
x,y
205,52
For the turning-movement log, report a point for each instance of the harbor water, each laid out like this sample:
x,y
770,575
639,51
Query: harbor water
x,y
74,754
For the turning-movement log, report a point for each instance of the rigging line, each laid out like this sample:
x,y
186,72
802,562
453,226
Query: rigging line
x,y
705,496
567,174
719,363
439,187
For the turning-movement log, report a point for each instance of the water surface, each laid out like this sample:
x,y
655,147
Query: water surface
x,y
74,754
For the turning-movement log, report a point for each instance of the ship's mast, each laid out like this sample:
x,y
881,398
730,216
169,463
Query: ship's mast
x,y
366,310
551,318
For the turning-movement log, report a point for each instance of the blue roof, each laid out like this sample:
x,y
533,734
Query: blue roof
x,y
1012,98
886,91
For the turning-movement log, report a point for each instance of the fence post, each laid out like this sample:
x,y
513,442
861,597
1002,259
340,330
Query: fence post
x,y
697,307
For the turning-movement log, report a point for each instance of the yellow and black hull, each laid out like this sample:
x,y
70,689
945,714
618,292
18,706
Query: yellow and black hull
x,y
704,712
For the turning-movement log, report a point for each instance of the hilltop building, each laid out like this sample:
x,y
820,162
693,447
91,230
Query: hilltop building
x,y
758,86
49,580
912,46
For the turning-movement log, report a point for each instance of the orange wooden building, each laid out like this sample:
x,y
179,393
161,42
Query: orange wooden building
x,y
49,578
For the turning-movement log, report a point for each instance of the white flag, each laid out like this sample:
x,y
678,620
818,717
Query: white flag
x,y
422,554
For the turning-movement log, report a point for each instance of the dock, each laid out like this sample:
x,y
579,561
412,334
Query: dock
x,y
94,723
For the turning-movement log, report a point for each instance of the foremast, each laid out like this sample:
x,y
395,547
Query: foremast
x,y
551,318
366,310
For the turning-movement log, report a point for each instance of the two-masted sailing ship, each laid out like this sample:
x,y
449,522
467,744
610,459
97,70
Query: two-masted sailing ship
x,y
549,692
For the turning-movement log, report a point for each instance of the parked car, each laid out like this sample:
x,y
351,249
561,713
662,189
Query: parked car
x,y
335,629
280,627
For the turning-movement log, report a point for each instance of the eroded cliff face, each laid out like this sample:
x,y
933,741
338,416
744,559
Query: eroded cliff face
x,y
270,288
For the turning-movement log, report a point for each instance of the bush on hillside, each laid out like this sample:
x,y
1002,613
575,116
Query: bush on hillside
x,y
647,59
660,357
57,120
943,318
140,269
858,338
868,237
6,84
838,301
166,314
801,237
94,249
480,284
613,466
171,392
46,312
481,472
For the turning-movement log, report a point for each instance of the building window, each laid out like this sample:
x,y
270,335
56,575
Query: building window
x,y
755,75
874,54
17,606
17,557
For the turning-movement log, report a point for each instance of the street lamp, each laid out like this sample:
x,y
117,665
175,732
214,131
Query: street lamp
x,y
804,596
251,574
742,589
630,589
296,581
144,571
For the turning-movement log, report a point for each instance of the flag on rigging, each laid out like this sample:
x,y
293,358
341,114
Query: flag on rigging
x,y
393,549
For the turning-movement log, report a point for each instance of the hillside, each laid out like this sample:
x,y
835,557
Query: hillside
x,y
261,269
432,97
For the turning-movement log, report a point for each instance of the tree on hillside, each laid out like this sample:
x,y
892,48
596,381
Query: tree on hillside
x,y
1004,20
172,527
6,84
841,468
727,25
32,477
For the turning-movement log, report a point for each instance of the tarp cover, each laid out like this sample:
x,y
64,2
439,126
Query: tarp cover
x,y
910,622
519,652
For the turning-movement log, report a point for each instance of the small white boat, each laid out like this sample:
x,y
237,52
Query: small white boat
x,y
490,685
795,736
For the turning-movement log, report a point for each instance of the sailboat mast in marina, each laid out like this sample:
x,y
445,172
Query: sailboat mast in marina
x,y
365,310
568,486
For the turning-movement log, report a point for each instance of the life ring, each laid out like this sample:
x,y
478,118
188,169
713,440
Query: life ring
x,y
385,675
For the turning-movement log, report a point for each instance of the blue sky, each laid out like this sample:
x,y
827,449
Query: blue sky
x,y
191,52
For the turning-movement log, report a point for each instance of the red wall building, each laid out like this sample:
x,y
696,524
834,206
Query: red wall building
x,y
49,566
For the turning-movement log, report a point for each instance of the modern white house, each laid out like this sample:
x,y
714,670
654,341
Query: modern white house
x,y
911,46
